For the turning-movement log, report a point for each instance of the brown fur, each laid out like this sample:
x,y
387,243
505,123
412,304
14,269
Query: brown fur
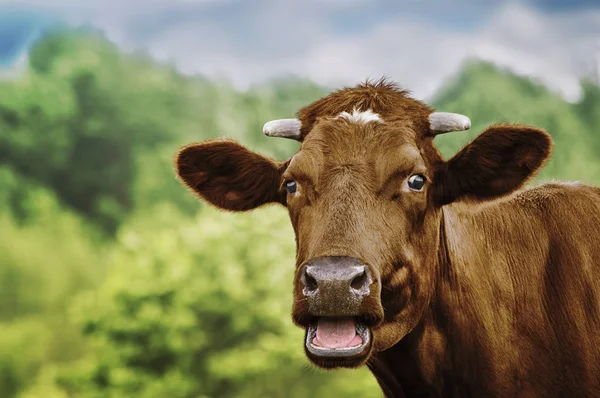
x,y
480,289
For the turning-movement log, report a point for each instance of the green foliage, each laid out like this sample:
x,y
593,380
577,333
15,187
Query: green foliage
x,y
200,307
44,261
488,95
117,282
117,119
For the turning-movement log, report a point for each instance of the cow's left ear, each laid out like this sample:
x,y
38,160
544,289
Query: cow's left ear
x,y
500,160
230,176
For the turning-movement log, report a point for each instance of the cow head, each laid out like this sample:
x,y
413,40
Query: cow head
x,y
364,195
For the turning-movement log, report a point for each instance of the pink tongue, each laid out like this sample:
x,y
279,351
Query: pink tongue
x,y
337,333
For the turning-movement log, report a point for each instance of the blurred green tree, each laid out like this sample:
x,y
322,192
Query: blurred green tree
x,y
489,95
42,266
201,308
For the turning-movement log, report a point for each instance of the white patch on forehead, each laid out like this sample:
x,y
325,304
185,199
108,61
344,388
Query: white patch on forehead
x,y
571,183
360,117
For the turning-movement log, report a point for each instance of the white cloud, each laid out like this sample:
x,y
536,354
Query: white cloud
x,y
417,54
554,49
273,38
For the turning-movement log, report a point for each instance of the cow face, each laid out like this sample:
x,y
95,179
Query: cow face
x,y
364,194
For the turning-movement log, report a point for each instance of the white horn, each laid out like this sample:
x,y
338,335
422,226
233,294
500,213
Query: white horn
x,y
445,122
285,128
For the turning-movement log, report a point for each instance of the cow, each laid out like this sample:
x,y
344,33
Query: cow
x,y
446,278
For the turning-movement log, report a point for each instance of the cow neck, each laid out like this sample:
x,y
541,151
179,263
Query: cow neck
x,y
397,370
444,271
387,380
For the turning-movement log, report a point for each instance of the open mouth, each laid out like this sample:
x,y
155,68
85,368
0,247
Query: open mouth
x,y
337,337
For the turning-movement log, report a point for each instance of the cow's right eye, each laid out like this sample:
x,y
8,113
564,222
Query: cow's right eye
x,y
291,187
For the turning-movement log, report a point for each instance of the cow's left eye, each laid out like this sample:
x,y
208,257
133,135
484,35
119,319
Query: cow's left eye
x,y
291,187
416,182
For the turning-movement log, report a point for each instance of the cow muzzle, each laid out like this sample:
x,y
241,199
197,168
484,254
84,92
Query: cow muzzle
x,y
340,303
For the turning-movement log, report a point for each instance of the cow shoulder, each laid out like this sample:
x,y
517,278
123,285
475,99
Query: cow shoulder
x,y
564,203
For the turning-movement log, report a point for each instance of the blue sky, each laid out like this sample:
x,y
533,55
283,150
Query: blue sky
x,y
418,43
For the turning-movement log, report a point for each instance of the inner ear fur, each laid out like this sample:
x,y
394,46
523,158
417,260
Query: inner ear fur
x,y
230,176
497,162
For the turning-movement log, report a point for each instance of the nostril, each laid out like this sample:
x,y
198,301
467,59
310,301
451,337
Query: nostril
x,y
359,281
310,282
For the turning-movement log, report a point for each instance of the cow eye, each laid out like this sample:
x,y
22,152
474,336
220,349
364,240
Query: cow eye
x,y
291,187
416,182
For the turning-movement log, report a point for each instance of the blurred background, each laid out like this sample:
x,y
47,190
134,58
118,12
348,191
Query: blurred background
x,y
114,280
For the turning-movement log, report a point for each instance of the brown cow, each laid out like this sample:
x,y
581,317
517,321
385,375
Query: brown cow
x,y
444,277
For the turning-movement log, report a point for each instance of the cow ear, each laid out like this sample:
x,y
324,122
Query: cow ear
x,y
499,161
230,176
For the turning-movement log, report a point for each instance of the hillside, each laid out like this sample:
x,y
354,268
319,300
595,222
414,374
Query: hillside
x,y
491,95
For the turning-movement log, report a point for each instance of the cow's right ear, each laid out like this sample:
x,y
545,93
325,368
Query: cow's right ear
x,y
230,176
